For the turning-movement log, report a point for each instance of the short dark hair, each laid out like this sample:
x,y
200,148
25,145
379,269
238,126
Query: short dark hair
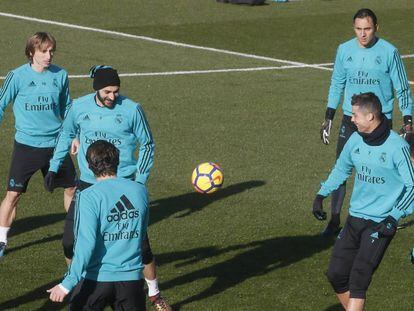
x,y
368,101
103,158
364,13
39,41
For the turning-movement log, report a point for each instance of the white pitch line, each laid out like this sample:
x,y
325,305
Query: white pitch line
x,y
122,34
189,72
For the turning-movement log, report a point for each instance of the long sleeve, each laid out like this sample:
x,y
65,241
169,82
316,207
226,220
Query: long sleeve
x,y
342,170
65,98
8,92
86,228
400,83
338,81
67,133
404,206
146,149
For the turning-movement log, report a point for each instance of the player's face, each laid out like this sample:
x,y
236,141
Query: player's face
x,y
362,119
108,95
42,57
365,31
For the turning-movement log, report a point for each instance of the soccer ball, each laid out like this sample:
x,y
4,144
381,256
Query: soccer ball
x,y
207,177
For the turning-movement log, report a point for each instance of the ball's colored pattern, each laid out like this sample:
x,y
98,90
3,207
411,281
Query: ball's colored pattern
x,y
207,177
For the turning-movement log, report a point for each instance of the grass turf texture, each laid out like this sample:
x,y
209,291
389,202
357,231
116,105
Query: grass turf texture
x,y
253,245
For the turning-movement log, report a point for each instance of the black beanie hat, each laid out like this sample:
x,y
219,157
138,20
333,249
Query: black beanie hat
x,y
104,76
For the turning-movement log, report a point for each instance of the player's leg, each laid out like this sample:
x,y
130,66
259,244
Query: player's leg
x,y
355,304
150,276
338,196
91,295
370,253
65,178
342,259
26,160
129,296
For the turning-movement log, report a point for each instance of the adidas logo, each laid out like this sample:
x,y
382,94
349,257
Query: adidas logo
x,y
349,59
86,118
32,83
123,210
356,151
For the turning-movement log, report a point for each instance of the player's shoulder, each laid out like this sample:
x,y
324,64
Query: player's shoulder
x,y
127,102
347,45
396,140
385,45
84,99
55,69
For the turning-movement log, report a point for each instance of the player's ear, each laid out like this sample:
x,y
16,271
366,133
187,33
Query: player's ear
x,y
376,27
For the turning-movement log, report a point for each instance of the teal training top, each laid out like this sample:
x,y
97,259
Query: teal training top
x,y
378,69
124,125
384,178
111,219
40,100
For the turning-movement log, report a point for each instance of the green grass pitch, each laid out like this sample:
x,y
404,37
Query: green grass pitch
x,y
254,244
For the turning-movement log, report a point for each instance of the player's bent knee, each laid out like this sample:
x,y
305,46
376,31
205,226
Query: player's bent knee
x,y
338,281
360,279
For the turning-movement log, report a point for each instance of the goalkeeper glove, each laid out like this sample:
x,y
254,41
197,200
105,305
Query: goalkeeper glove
x,y
326,131
317,208
407,127
387,227
327,125
50,181
412,256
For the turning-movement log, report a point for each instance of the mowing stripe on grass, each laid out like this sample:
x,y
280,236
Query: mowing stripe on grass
x,y
122,34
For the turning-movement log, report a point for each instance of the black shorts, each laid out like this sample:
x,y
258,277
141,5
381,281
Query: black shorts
x,y
346,130
121,295
27,160
356,255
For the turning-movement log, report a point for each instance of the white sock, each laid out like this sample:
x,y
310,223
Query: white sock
x,y
3,234
152,287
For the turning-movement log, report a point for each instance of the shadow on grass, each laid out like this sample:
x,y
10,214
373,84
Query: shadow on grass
x,y
337,307
249,260
40,241
36,294
31,223
192,202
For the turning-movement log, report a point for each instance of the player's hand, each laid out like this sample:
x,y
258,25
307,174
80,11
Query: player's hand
x,y
326,131
74,148
412,256
56,294
317,208
387,227
405,130
50,181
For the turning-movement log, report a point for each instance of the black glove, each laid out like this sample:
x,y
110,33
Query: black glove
x,y
407,127
317,208
412,256
326,131
387,227
50,181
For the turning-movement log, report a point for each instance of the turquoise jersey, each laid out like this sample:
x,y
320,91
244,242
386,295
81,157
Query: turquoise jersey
x,y
125,126
111,219
384,178
40,100
378,69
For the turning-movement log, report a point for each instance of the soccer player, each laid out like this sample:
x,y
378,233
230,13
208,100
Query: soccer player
x,y
111,222
40,95
383,193
107,115
364,64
